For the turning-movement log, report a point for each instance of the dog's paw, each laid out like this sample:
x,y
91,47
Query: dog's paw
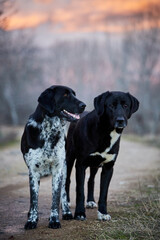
x,y
91,204
80,216
54,224
103,217
30,225
67,216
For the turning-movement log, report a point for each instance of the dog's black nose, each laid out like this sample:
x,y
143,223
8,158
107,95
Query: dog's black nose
x,y
120,122
82,106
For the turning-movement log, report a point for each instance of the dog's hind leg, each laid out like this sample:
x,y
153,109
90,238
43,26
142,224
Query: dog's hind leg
x,y
66,213
90,198
34,180
70,158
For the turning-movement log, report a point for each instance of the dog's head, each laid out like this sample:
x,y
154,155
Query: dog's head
x,y
61,101
117,107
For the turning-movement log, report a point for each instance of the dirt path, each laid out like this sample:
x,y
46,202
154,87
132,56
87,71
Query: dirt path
x,y
134,162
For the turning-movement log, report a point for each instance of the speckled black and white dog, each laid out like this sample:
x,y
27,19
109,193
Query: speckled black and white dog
x,y
94,142
43,148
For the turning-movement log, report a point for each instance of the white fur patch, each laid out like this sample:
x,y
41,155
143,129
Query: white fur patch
x,y
104,217
114,137
109,157
91,204
33,216
54,213
32,123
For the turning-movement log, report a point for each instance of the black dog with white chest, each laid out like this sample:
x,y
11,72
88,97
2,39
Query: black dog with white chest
x,y
43,148
94,141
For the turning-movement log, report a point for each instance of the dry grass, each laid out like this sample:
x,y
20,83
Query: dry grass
x,y
137,216
151,140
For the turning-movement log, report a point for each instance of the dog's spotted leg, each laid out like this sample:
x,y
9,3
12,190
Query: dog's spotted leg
x,y
34,179
57,175
66,213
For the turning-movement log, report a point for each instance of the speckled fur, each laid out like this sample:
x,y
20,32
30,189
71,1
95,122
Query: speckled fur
x,y
41,160
50,159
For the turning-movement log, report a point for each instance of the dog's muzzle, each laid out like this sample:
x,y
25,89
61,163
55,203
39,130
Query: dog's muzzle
x,y
120,123
81,107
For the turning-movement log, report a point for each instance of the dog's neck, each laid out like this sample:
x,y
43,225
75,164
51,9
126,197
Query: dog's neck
x,y
40,114
55,121
105,128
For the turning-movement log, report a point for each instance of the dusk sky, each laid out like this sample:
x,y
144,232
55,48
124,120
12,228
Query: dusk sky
x,y
80,15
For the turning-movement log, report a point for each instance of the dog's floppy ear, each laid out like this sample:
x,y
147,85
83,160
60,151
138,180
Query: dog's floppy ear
x,y
46,100
99,103
134,104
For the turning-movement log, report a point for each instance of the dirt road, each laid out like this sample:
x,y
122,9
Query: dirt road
x,y
134,162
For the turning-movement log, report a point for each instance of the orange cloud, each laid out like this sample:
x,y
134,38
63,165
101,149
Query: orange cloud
x,y
43,1
86,15
21,21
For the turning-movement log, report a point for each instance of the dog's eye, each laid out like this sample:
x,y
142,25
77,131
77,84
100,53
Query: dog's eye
x,y
125,106
65,95
111,106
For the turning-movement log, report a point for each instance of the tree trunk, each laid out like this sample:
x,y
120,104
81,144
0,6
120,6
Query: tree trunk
x,y
10,101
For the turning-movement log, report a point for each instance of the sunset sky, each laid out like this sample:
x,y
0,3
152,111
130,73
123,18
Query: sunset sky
x,y
81,15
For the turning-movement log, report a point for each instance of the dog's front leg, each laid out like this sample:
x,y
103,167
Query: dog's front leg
x,y
57,175
106,175
80,178
66,213
34,181
90,199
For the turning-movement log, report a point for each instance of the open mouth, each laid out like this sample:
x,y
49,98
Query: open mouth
x,y
73,115
120,127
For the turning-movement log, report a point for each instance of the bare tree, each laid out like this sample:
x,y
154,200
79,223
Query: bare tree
x,y
20,69
134,60
146,58
6,8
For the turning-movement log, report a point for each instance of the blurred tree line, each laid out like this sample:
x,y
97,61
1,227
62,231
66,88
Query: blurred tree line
x,y
125,62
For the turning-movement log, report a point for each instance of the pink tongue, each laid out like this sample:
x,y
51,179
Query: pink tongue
x,y
73,115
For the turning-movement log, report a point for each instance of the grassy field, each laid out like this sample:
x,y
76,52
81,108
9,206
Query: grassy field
x,y
136,215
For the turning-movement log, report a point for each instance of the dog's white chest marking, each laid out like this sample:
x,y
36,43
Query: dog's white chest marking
x,y
40,160
109,157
